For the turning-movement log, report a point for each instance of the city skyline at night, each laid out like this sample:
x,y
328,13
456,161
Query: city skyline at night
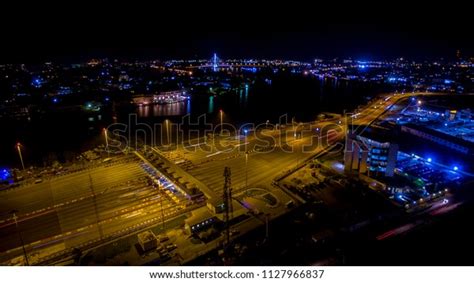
x,y
346,145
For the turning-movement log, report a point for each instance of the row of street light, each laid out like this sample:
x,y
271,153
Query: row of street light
x,y
167,126
20,155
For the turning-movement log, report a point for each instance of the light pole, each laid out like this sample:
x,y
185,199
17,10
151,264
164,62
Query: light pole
x,y
167,131
246,168
162,212
18,147
21,238
221,114
94,200
293,125
106,142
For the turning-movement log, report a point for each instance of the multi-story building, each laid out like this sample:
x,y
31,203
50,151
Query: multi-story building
x,y
370,154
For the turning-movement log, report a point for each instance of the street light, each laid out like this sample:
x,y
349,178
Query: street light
x,y
21,238
106,141
167,131
222,118
246,168
162,211
18,147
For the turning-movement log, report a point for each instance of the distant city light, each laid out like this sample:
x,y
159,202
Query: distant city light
x,y
429,160
455,168
37,82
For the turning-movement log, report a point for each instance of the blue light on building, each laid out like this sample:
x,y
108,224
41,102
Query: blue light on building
x,y
252,70
5,175
37,82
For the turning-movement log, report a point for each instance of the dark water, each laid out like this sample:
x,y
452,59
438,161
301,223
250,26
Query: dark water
x,y
59,134
296,96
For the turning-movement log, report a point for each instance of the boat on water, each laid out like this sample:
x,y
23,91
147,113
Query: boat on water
x,y
162,98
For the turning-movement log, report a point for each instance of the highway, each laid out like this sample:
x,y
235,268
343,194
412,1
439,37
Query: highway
x,y
374,110
260,166
63,212
67,211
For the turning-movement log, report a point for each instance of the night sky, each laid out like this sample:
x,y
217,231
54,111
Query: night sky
x,y
359,41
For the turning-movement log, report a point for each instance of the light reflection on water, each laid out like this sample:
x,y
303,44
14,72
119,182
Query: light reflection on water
x,y
156,110
210,107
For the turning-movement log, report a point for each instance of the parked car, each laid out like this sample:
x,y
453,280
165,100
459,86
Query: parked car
x,y
170,247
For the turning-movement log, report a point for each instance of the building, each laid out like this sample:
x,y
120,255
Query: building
x,y
355,155
212,214
370,152
435,136
200,220
215,205
147,241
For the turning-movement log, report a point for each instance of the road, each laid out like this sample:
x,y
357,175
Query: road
x,y
260,166
63,212
375,109
66,211
206,160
